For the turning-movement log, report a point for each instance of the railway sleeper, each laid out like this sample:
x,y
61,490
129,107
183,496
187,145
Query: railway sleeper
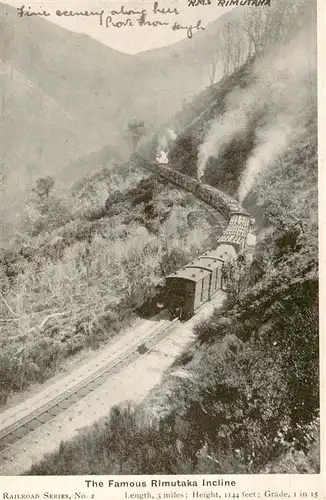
x,y
33,424
45,417
8,440
64,405
55,410
84,391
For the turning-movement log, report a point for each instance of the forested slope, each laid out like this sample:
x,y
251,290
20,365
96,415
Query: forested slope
x,y
250,400
248,397
85,264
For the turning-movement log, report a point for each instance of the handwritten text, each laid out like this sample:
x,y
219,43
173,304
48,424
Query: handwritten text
x,y
123,17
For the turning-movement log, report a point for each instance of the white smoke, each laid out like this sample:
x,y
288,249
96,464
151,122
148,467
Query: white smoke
x,y
162,157
288,90
164,143
220,133
166,139
171,134
283,93
272,141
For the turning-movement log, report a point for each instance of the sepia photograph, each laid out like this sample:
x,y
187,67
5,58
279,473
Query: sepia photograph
x,y
159,266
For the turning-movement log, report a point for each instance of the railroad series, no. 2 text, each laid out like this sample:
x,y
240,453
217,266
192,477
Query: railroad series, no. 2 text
x,y
192,491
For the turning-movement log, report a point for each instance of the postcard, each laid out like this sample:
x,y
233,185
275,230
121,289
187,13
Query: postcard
x,y
162,260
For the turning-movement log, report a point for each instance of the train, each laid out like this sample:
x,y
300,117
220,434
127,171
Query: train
x,y
191,286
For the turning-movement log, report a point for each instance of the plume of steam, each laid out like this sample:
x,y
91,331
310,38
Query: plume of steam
x,y
220,133
171,134
241,106
162,157
290,100
272,141
282,92
164,143
166,139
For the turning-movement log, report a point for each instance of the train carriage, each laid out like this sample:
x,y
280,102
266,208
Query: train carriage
x,y
214,266
191,286
187,290
223,252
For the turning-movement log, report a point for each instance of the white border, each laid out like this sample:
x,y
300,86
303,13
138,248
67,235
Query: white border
x,y
257,485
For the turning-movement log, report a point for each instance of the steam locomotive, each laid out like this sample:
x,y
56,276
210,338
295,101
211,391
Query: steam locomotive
x,y
188,288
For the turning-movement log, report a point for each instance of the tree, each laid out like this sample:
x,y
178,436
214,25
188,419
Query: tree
x,y
136,131
230,50
50,211
260,29
44,187
254,27
266,27
214,62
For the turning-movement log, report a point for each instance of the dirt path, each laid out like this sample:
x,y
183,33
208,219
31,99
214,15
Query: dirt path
x,y
131,383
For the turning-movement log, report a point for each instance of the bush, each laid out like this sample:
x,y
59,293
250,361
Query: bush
x,y
208,331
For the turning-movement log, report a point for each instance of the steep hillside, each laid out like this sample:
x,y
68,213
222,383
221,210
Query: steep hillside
x,y
244,399
227,124
176,73
83,266
70,96
62,99
37,133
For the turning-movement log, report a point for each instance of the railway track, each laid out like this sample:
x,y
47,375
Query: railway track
x,y
26,425
23,427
